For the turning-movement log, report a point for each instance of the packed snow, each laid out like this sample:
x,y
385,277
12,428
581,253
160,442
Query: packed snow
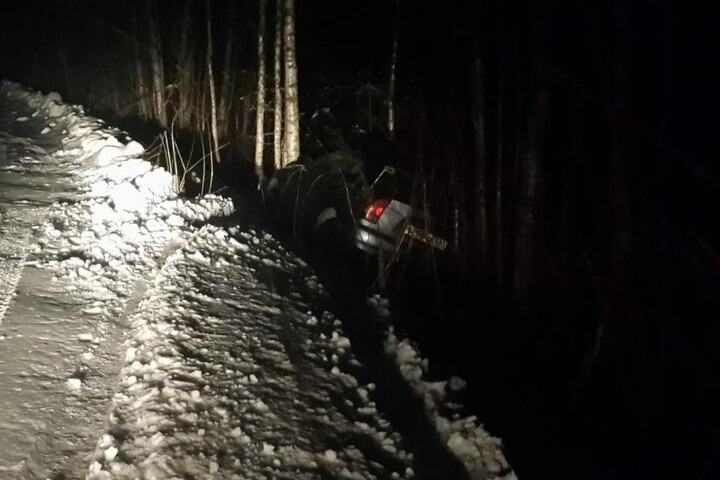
x,y
139,338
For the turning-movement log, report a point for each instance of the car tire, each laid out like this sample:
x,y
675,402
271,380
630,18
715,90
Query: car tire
x,y
329,232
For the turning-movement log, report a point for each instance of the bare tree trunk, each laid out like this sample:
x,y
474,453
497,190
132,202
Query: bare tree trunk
x,y
391,88
62,57
226,94
244,127
456,211
526,221
156,64
523,223
499,220
211,81
203,127
277,65
184,70
139,80
201,118
117,84
481,191
292,113
260,124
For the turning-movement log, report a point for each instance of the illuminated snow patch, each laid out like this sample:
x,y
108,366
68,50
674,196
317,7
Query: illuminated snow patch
x,y
157,183
53,97
74,383
480,452
56,110
110,152
134,149
126,197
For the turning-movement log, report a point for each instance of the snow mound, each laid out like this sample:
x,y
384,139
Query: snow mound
x,y
215,383
480,452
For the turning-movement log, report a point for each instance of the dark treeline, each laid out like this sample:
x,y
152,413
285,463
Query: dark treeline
x,y
569,143
141,60
566,147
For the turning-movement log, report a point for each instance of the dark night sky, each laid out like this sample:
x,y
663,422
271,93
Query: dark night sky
x,y
347,37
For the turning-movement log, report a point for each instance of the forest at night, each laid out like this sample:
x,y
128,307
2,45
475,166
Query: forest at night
x,y
566,150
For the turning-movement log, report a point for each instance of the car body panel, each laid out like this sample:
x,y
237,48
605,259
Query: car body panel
x,y
398,226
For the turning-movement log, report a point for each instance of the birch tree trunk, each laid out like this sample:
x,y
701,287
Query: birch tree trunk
x,y
277,66
481,190
244,126
499,211
260,123
391,87
292,113
184,69
211,81
226,94
139,79
526,235
156,65
62,58
524,221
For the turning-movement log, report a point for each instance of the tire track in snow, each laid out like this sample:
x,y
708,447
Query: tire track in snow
x,y
34,175
90,248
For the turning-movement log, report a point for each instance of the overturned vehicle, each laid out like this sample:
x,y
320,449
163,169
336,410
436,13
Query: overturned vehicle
x,y
329,204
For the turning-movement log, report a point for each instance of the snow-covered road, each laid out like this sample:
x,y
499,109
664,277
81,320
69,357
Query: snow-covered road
x,y
141,339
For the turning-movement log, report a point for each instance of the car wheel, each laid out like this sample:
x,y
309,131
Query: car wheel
x,y
328,231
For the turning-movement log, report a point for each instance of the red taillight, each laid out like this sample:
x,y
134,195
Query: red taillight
x,y
375,210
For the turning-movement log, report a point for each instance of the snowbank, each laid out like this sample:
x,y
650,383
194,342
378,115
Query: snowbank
x,y
225,378
480,452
